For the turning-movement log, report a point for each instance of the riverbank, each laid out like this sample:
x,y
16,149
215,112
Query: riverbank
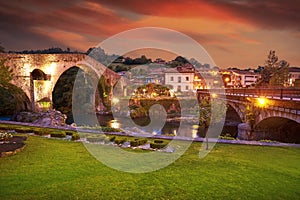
x,y
166,137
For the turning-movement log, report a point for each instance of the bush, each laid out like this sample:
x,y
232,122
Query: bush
x,y
134,143
41,132
138,142
158,144
75,136
110,129
70,132
58,134
226,137
24,130
112,138
120,140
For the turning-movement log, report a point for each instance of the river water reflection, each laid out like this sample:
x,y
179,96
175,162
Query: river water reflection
x,y
171,126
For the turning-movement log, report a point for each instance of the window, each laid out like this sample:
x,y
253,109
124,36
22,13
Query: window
x,y
186,87
179,79
178,88
187,78
171,78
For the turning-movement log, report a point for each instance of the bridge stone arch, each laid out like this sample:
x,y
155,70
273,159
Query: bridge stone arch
x,y
278,128
52,65
239,109
279,113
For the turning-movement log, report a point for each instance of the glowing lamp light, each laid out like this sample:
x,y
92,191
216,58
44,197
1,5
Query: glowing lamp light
x,y
214,95
115,100
50,69
262,101
114,124
227,79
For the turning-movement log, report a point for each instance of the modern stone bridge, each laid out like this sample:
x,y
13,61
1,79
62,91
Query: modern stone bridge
x,y
275,111
37,74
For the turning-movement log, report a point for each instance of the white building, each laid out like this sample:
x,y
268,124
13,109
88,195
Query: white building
x,y
242,79
294,76
180,78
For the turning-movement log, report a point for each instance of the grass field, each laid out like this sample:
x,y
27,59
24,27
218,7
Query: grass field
x,y
56,169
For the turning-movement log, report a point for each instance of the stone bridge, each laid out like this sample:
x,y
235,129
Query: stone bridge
x,y
37,74
273,115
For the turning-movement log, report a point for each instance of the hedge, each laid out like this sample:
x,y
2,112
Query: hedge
x,y
158,144
120,140
75,136
58,134
138,142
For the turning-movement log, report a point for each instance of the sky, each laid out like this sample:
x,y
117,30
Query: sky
x,y
235,33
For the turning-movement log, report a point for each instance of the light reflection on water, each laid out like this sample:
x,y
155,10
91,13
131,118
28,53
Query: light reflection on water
x,y
171,126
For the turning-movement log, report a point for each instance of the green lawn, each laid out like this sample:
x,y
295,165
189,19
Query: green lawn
x,y
56,169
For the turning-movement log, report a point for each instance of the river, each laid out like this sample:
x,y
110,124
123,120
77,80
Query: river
x,y
189,128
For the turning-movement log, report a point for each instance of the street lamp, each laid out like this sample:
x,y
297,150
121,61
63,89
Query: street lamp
x,y
262,101
214,95
115,100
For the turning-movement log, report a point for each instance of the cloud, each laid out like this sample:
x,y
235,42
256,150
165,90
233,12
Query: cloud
x,y
83,18
228,28
68,39
269,14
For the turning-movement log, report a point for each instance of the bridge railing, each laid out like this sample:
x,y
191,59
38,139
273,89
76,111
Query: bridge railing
x,y
282,93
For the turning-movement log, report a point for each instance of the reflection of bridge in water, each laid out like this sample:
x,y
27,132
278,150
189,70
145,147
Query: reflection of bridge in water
x,y
276,111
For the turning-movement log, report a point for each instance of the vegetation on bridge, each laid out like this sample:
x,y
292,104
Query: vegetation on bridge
x,y
12,98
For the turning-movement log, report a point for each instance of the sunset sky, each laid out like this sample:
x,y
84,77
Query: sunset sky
x,y
235,33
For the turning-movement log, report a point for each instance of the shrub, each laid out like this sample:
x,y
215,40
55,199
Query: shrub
x,y
70,132
58,134
24,130
75,136
158,144
41,132
110,129
138,142
119,140
112,138
226,137
134,143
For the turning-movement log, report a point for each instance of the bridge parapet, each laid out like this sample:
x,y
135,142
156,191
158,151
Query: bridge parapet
x,y
270,93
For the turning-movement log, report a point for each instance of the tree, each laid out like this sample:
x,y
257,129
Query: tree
x,y
181,59
6,74
12,98
274,73
207,117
